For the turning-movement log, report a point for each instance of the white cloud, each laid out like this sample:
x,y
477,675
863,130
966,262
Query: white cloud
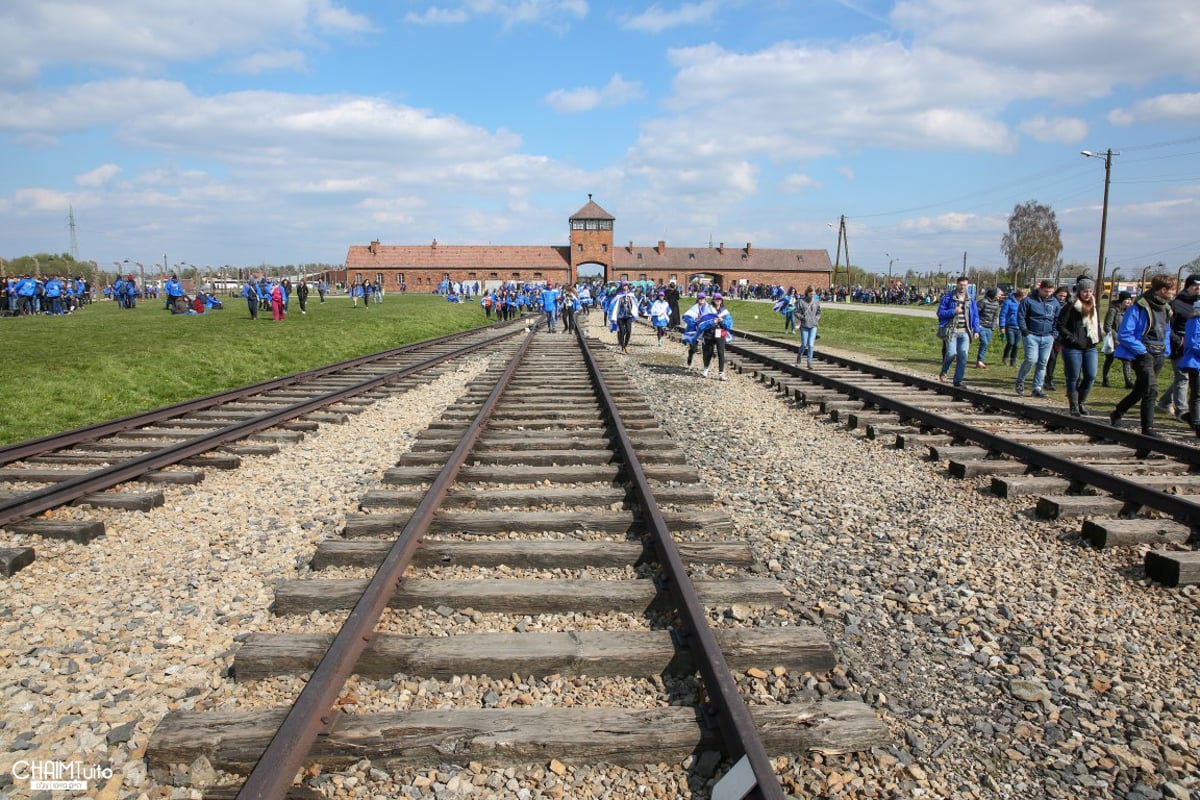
x,y
1176,108
289,60
438,16
1067,130
510,13
656,19
798,182
617,92
99,176
142,35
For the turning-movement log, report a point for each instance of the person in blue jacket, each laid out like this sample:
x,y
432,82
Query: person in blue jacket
x,y
173,289
549,302
54,295
1144,340
1035,318
958,323
1189,362
1008,327
250,292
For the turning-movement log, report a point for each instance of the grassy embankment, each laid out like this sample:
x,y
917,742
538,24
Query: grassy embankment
x,y
100,363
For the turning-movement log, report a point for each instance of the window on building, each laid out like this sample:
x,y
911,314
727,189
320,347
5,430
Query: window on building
x,y
674,277
471,275
576,224
399,278
799,256
516,274
624,276
358,277
604,247
606,224
642,277
691,256
593,224
579,247
379,279
493,274
537,274
639,256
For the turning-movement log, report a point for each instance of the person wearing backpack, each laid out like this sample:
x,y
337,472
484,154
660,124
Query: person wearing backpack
x,y
623,313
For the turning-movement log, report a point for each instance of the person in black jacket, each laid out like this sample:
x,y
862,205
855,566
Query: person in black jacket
x,y
1078,328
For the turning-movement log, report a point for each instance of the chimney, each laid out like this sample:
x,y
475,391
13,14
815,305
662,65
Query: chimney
x,y
630,245
747,248
721,248
374,248
434,245
662,247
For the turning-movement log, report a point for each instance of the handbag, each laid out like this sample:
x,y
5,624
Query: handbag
x,y
944,331
1109,344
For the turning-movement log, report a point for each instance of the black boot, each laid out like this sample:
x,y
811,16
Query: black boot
x,y
1083,410
1073,399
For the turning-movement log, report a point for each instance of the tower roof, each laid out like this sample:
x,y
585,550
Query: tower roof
x,y
591,211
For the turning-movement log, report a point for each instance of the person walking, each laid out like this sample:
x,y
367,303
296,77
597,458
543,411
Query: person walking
x,y
250,292
672,295
1061,294
623,313
714,337
1144,339
1078,327
660,315
691,325
989,319
302,295
1035,319
1174,399
958,319
1009,329
1112,321
1189,361
549,303
808,316
276,302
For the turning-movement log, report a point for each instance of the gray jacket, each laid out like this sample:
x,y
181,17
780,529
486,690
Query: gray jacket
x,y
808,312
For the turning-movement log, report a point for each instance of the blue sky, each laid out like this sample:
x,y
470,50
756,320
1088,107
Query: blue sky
x,y
283,131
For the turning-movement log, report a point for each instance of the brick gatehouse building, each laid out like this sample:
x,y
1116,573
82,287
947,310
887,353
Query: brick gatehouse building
x,y
591,254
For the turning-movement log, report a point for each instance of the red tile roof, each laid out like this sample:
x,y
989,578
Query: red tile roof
x,y
446,257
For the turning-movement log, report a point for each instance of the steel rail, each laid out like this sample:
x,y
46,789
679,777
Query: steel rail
x,y
63,492
737,726
1181,452
57,441
1176,506
312,712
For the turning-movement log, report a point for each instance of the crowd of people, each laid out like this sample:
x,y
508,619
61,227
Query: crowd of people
x,y
55,295
1052,323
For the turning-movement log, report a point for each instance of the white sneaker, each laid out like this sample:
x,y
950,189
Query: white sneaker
x,y
722,376
705,372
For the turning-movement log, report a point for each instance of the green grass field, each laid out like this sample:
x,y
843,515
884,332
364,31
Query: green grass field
x,y
101,363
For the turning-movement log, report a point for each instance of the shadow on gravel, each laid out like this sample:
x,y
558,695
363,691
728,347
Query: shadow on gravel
x,y
667,369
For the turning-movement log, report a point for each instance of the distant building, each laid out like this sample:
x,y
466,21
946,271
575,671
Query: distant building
x,y
591,254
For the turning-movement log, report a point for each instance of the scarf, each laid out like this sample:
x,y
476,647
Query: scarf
x,y
1091,322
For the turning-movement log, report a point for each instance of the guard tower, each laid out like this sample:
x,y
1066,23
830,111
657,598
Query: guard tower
x,y
591,239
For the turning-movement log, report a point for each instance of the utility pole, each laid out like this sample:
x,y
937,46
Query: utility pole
x,y
74,241
843,240
1104,212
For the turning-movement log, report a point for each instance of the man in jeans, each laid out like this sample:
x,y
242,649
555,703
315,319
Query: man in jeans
x,y
1175,399
960,317
1035,320
1144,339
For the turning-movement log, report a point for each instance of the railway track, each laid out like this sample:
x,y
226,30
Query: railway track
x,y
554,522
117,464
1126,489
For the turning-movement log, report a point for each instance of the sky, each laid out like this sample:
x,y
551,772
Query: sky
x,y
284,131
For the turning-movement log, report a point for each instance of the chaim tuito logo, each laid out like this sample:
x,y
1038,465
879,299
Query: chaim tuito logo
x,y
59,776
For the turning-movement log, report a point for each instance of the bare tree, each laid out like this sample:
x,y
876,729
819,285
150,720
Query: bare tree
x,y
1033,243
